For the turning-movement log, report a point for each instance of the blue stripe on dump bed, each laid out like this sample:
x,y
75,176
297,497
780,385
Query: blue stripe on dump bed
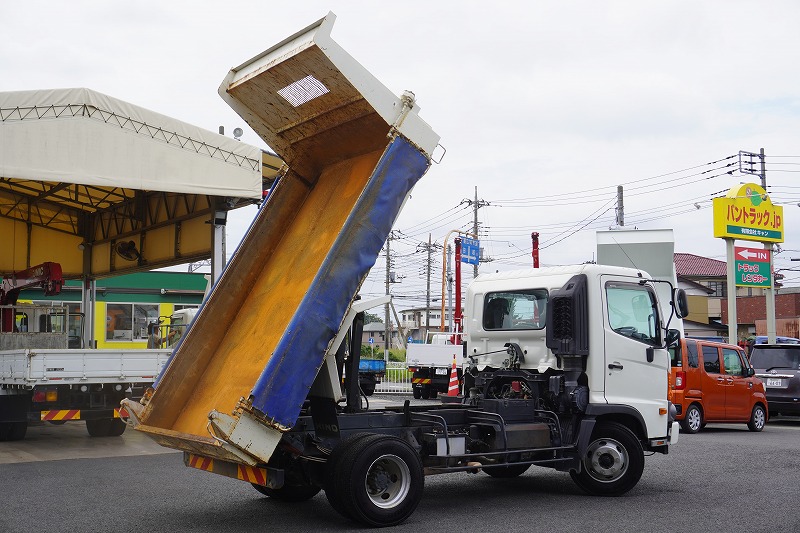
x,y
283,386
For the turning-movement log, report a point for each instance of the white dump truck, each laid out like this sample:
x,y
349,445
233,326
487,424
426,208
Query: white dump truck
x,y
565,368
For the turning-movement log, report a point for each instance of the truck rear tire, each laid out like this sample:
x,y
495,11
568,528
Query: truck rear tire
x,y
368,390
613,463
105,427
417,392
333,471
10,431
426,393
376,481
116,428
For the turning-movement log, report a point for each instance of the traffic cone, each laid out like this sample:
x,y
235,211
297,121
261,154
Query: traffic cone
x,y
452,388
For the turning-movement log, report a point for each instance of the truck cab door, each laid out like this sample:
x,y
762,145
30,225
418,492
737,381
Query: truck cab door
x,y
636,366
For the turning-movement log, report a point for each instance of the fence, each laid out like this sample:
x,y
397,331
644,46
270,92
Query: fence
x,y
397,379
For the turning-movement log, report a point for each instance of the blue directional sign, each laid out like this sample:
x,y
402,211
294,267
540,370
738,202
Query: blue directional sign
x,y
371,340
470,250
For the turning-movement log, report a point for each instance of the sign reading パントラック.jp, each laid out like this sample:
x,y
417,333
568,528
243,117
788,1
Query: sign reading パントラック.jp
x,y
747,213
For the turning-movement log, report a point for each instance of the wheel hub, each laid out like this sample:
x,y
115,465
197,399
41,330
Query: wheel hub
x,y
388,481
607,460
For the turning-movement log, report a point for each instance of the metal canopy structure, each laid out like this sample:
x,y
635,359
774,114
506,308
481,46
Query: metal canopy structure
x,y
104,187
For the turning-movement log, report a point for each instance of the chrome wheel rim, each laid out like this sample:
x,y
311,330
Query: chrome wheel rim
x,y
606,460
388,481
759,418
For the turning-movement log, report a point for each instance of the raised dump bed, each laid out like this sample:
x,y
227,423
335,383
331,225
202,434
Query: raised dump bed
x,y
354,152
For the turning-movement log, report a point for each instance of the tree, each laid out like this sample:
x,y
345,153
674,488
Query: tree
x,y
369,318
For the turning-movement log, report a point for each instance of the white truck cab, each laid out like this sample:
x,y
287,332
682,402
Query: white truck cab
x,y
613,354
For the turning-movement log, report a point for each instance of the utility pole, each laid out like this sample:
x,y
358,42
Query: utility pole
x,y
476,204
387,330
620,207
428,292
428,247
449,290
769,295
747,166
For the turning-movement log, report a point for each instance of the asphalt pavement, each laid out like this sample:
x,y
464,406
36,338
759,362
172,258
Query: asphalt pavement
x,y
723,479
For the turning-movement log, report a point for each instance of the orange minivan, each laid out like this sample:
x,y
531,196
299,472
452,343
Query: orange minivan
x,y
714,382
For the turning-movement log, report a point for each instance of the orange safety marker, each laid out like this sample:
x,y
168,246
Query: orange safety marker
x,y
452,388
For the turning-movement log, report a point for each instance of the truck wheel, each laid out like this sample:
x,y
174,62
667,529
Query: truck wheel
x,y
99,428
381,480
333,470
426,393
434,393
693,419
417,392
368,390
506,472
758,419
116,427
613,463
290,492
10,431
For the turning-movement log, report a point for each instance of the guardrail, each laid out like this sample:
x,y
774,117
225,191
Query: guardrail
x,y
397,379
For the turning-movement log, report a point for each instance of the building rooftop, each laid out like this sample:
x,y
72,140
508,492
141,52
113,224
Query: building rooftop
x,y
690,265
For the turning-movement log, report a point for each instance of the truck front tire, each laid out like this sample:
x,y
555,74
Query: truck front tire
x,y
376,480
613,463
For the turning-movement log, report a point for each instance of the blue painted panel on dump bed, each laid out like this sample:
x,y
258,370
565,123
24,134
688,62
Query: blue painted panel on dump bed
x,y
283,386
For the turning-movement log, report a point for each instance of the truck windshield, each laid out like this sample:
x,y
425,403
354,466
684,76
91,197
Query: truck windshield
x,y
522,309
633,311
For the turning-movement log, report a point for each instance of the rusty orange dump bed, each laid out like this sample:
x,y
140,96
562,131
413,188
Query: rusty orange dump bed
x,y
354,151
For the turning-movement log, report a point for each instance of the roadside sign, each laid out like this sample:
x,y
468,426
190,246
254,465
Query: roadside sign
x,y
470,250
371,340
747,213
752,267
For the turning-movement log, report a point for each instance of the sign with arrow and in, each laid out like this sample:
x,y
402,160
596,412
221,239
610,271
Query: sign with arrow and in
x,y
752,267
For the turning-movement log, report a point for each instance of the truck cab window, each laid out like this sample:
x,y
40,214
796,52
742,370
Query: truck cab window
x,y
633,312
524,309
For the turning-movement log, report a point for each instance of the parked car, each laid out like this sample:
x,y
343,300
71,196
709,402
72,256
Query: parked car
x,y
779,366
763,339
714,382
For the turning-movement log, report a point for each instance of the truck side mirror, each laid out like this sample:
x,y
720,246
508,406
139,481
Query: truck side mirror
x,y
750,372
673,336
680,303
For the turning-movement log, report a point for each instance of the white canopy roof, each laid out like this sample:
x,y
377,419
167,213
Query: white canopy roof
x,y
84,137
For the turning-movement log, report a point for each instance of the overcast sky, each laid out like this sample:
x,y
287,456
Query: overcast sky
x,y
544,106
